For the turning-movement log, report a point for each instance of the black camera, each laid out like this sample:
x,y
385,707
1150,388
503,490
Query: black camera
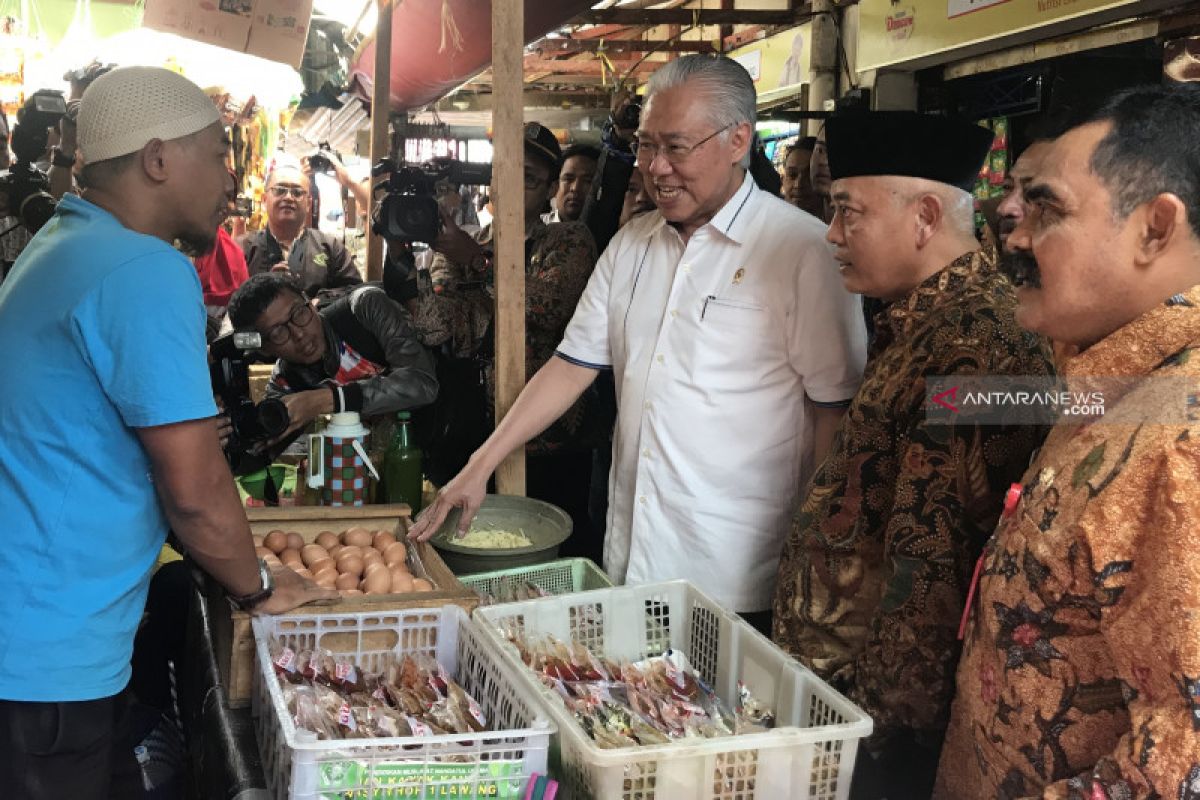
x,y
409,211
243,206
254,424
322,160
26,187
629,115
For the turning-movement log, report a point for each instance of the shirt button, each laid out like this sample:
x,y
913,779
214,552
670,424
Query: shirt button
x,y
674,312
642,499
687,268
660,358
646,405
646,452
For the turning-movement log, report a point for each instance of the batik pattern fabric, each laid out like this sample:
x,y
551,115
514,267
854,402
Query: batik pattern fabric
x,y
455,309
1080,675
875,571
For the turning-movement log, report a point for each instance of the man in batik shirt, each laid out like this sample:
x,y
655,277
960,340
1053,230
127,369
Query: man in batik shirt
x,y
874,575
1080,675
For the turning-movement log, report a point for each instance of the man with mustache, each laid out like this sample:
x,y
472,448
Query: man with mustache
x,y
322,264
732,346
574,182
1080,673
1012,206
875,572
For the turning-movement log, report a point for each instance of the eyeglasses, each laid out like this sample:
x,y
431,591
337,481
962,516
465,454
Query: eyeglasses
x,y
279,334
675,154
294,191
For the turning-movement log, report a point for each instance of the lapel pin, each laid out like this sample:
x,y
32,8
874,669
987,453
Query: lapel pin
x,y
737,276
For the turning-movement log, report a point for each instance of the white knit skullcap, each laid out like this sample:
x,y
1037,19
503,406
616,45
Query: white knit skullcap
x,y
126,108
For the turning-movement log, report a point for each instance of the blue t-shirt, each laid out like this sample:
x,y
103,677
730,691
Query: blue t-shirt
x,y
101,332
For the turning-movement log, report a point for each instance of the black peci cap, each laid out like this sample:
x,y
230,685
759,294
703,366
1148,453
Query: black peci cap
x,y
541,141
944,149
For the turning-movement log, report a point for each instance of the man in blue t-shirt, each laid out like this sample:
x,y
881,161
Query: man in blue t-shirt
x,y
107,434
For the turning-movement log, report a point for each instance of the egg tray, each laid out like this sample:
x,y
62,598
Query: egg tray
x,y
233,638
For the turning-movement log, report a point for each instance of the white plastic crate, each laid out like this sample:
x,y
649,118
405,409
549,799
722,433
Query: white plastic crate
x,y
494,764
809,754
564,576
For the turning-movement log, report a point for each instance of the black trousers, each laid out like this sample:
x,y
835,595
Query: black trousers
x,y
564,480
78,750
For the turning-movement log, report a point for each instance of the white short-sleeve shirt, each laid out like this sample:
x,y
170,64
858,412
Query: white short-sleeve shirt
x,y
716,345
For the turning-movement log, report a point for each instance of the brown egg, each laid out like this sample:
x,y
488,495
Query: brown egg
x,y
373,567
382,539
396,553
313,552
345,582
327,539
350,565
264,552
336,550
291,556
357,536
350,548
351,592
422,585
295,541
323,563
258,540
377,582
402,582
326,577
372,556
275,541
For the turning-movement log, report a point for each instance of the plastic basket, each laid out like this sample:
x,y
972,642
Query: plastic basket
x,y
810,754
495,764
555,577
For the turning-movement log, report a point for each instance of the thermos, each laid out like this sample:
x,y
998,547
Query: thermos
x,y
338,464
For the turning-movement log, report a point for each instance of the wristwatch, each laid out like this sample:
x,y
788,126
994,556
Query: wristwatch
x,y
60,158
249,601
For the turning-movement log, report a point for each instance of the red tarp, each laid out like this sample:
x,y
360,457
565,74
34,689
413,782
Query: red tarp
x,y
421,74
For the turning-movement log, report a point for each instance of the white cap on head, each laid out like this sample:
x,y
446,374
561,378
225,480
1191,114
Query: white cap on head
x,y
126,108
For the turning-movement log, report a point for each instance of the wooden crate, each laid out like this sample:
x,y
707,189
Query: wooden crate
x,y
232,636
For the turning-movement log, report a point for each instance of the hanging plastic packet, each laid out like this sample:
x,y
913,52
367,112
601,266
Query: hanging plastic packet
x,y
752,715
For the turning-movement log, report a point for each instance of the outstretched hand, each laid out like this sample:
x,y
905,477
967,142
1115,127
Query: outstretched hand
x,y
465,491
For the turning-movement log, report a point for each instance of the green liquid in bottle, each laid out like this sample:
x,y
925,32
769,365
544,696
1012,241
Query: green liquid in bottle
x,y
402,475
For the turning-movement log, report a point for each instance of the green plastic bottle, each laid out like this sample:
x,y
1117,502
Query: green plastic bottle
x,y
402,475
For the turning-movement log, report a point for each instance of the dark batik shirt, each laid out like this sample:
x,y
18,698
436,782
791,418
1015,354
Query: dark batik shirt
x,y
875,571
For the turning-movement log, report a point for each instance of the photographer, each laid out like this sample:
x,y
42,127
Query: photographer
x,y
453,311
109,436
63,155
359,353
322,264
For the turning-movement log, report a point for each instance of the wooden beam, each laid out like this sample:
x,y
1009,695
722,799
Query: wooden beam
x,y
565,47
686,16
572,66
508,226
381,112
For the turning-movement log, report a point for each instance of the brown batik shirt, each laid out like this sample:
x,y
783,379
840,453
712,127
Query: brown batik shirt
x,y
874,574
455,308
1080,675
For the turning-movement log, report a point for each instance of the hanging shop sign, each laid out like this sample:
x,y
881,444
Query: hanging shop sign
x,y
913,34
271,29
778,64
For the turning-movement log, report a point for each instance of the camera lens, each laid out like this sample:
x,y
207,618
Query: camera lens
x,y
273,417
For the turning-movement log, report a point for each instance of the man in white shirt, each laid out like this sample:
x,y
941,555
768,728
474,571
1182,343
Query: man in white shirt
x,y
733,344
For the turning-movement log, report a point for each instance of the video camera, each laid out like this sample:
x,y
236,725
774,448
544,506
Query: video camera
x,y
322,160
409,211
254,424
26,187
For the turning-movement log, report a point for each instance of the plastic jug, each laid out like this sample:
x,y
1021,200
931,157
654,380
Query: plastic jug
x,y
338,461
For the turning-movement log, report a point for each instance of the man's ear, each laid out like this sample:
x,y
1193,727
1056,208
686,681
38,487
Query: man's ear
x,y
154,159
929,217
741,140
1159,222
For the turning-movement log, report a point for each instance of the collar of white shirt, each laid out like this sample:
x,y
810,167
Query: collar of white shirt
x,y
730,221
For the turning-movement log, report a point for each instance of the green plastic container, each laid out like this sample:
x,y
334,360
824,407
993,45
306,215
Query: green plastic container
x,y
565,576
255,483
